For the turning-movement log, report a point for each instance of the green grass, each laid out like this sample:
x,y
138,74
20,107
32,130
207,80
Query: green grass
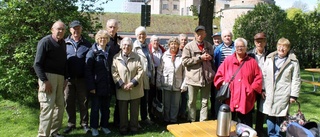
x,y
17,120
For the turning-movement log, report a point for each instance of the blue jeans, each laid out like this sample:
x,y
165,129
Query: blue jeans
x,y
100,104
273,124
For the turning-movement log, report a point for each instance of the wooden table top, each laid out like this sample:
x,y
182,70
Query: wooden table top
x,y
197,129
315,70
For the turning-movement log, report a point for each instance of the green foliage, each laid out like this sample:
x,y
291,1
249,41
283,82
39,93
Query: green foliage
x,y
22,24
267,18
302,29
194,10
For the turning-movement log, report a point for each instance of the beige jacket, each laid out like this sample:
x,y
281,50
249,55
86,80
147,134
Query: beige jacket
x,y
144,62
127,72
198,72
280,89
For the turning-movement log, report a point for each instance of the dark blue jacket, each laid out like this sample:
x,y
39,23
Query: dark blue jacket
x,y
76,55
98,72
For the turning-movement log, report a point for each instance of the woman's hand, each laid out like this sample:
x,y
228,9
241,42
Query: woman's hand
x,y
292,100
93,91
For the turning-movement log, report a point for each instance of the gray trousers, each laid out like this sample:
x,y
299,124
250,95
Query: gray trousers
x,y
171,105
204,94
134,114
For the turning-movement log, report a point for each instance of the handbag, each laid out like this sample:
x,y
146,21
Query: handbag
x,y
298,118
224,91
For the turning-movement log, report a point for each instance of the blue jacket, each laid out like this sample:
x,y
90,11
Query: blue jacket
x,y
76,55
98,72
217,54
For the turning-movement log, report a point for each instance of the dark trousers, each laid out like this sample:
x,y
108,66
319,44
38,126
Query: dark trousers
x,y
75,94
260,117
183,103
116,115
100,105
134,114
144,105
215,105
243,118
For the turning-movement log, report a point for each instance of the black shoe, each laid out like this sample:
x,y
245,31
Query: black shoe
x,y
69,129
86,129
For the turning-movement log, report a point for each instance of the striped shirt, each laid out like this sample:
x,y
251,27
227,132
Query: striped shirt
x,y
226,51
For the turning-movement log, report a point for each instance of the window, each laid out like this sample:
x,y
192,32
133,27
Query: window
x,y
175,7
165,6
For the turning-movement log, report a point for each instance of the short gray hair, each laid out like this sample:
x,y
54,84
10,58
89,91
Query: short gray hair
x,y
126,39
242,40
140,29
154,37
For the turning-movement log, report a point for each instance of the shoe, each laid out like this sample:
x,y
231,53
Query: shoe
x,y
106,130
69,129
57,135
86,129
139,126
147,121
124,133
95,132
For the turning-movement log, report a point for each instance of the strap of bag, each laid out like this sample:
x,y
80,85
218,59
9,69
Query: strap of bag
x,y
237,71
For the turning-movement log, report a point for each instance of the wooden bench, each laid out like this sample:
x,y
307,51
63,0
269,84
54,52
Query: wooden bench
x,y
197,129
315,83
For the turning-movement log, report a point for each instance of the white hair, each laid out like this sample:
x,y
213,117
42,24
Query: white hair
x,y
242,40
140,29
154,37
109,21
126,39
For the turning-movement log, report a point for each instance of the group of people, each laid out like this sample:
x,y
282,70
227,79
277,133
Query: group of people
x,y
71,71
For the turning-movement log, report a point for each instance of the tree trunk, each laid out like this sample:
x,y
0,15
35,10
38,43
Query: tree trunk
x,y
206,17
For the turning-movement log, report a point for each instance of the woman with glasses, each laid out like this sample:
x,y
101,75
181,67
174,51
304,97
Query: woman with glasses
x,y
127,73
246,84
99,79
281,73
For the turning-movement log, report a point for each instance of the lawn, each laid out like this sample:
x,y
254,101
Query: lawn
x,y
18,120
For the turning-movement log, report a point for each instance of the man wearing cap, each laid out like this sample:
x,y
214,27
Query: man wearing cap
x,y
216,38
259,52
197,58
75,92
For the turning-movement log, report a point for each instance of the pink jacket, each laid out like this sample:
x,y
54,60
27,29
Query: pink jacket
x,y
244,87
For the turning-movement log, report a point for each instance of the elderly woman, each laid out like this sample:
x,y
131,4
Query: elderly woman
x,y
127,73
281,73
171,75
98,77
245,85
140,46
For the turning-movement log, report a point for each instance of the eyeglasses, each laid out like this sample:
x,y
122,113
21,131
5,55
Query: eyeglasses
x,y
240,47
282,47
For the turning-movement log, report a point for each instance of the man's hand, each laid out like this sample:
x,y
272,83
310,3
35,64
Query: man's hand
x,y
292,100
47,87
206,57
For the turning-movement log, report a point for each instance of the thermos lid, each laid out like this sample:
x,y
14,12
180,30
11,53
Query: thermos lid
x,y
224,108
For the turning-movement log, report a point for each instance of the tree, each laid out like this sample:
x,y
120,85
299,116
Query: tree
x,y
267,18
22,24
206,16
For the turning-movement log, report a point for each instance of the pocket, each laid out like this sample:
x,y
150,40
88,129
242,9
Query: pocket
x,y
165,80
178,83
42,97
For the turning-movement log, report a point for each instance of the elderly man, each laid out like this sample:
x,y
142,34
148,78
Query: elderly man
x,y
197,58
112,27
259,52
50,67
75,92
225,49
156,51
183,38
216,38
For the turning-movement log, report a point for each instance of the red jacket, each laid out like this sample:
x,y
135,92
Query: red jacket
x,y
244,87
